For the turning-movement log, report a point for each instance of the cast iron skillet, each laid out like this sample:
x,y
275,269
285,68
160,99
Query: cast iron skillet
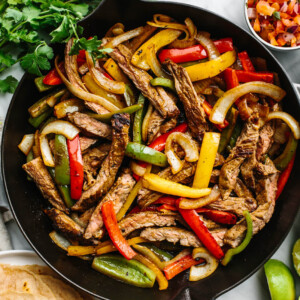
x,y
25,199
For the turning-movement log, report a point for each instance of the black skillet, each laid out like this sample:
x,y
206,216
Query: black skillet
x,y
25,200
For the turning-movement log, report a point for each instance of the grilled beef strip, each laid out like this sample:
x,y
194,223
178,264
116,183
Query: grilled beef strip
x,y
110,166
146,219
168,125
83,219
40,175
266,168
179,235
157,96
92,161
215,174
90,126
95,107
244,148
154,125
65,224
265,139
86,143
241,189
194,112
118,195
146,197
265,189
247,171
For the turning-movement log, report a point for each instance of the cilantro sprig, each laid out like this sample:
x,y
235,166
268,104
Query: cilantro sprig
x,y
27,27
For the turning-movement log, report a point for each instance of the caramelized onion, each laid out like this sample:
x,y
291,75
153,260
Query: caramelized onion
x,y
153,62
208,44
26,143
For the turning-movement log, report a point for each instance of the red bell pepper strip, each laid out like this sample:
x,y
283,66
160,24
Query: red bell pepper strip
x,y
246,62
231,78
180,265
218,216
81,59
284,176
76,167
166,200
52,78
193,220
244,76
193,53
111,225
207,109
167,207
135,210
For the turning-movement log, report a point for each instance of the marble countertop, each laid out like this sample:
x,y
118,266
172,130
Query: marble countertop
x,y
256,286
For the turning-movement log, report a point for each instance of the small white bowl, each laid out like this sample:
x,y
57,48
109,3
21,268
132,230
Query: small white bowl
x,y
270,46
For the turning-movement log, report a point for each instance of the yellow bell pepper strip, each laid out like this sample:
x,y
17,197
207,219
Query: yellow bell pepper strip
x,y
161,279
227,132
81,250
231,252
132,272
208,151
115,71
161,39
109,247
203,271
224,103
211,68
155,183
288,119
111,225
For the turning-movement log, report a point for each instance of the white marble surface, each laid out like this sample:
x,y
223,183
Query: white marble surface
x,y
255,288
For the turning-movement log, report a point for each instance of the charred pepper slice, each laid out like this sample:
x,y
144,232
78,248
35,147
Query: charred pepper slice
x,y
62,167
129,271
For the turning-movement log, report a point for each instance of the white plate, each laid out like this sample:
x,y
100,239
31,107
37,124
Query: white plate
x,y
20,258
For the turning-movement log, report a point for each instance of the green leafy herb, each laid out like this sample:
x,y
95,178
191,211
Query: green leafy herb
x,y
276,15
8,85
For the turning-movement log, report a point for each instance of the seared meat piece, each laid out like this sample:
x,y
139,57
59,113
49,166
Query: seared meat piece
x,y
172,235
244,148
268,168
168,125
146,219
86,143
265,195
110,166
183,236
92,161
40,175
209,223
247,171
154,125
241,190
118,194
65,224
157,96
265,139
236,205
90,126
83,219
219,161
192,105
97,108
214,178
146,197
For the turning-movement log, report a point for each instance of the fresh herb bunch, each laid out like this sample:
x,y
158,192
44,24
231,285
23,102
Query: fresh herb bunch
x,y
28,26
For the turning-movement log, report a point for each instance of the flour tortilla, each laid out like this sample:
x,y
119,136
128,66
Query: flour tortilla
x,y
11,295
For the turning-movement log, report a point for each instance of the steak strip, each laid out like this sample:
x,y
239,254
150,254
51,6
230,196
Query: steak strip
x,y
90,126
118,195
110,166
40,175
157,96
194,112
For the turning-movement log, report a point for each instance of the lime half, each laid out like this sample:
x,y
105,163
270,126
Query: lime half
x,y
280,280
296,256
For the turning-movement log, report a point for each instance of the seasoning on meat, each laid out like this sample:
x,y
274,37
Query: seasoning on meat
x,y
110,166
40,175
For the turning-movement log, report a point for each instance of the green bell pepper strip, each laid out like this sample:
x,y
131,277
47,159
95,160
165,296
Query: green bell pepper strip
x,y
231,252
106,118
41,86
283,160
138,121
62,167
64,190
29,158
146,154
129,95
235,134
129,271
227,132
164,82
36,122
163,255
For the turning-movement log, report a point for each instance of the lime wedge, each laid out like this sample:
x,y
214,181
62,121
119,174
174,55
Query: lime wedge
x,y
296,256
280,280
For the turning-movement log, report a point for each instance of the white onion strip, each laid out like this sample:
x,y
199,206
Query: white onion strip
x,y
26,143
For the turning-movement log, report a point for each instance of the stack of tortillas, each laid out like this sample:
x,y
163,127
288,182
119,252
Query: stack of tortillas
x,y
34,282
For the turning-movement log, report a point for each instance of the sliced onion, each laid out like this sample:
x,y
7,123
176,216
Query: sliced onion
x,y
110,32
288,119
58,127
81,94
124,37
223,104
112,86
181,254
208,44
59,240
146,122
202,271
26,143
137,169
